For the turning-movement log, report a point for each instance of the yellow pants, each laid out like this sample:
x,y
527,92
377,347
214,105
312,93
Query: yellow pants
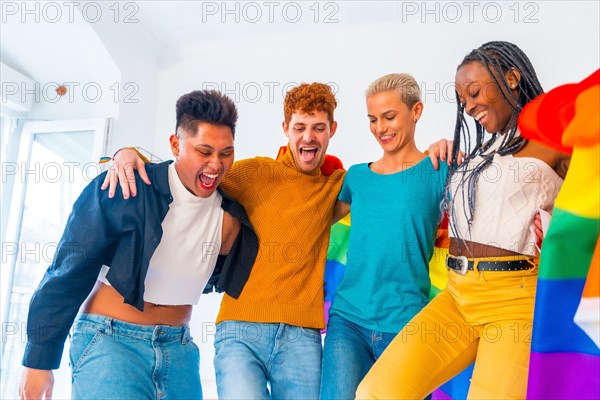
x,y
483,316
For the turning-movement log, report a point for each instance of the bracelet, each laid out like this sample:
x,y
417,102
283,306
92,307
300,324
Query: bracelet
x,y
107,159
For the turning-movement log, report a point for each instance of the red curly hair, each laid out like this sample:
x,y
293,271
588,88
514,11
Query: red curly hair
x,y
309,98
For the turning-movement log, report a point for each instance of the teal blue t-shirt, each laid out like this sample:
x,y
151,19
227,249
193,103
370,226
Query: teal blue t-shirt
x,y
392,234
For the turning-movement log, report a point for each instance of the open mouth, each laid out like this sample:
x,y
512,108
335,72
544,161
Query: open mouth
x,y
481,116
207,180
308,153
386,138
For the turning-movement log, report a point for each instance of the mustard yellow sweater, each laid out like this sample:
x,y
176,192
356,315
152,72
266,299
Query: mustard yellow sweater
x,y
291,212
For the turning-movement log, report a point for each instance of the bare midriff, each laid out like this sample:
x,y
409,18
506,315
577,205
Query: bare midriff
x,y
477,250
105,300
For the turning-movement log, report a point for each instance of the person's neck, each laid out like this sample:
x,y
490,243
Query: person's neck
x,y
399,160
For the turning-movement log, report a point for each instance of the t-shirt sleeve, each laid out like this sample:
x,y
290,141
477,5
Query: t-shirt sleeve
x,y
345,193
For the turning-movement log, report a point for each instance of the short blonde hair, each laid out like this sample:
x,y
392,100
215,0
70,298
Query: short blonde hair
x,y
406,86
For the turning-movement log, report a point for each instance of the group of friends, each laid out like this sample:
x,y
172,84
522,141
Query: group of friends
x,y
132,263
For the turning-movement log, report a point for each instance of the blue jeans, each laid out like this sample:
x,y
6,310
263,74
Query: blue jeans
x,y
249,356
112,359
349,353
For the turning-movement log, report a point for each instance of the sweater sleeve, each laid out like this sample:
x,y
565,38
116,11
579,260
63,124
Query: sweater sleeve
x,y
243,174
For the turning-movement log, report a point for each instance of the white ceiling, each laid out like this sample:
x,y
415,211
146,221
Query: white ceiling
x,y
50,52
168,30
177,24
172,29
73,49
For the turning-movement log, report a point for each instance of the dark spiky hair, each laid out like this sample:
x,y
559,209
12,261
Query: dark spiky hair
x,y
208,106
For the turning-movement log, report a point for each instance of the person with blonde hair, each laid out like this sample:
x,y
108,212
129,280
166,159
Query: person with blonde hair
x,y
394,203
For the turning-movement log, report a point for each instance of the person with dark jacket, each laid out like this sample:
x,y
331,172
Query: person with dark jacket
x,y
133,269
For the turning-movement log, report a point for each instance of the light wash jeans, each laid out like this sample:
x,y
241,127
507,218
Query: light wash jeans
x,y
112,359
252,357
349,353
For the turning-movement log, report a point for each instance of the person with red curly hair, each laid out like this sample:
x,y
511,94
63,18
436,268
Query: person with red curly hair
x,y
268,340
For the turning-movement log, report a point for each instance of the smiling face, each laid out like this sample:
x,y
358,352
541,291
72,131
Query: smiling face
x,y
483,100
204,158
392,122
309,135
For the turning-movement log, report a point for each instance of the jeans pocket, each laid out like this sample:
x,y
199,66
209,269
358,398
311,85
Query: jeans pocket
x,y
82,343
221,331
312,333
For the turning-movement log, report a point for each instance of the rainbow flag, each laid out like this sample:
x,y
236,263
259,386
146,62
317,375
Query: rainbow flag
x,y
565,353
336,260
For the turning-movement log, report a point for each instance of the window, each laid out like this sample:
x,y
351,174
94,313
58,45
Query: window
x,y
56,161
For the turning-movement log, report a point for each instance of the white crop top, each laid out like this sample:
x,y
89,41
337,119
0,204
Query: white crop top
x,y
187,253
509,193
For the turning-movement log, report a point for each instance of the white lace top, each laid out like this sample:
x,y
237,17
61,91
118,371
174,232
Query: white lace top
x,y
508,194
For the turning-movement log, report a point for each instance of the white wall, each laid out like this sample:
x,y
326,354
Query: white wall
x,y
50,54
135,94
563,46
108,66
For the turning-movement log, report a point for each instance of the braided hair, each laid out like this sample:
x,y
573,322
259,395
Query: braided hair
x,y
499,58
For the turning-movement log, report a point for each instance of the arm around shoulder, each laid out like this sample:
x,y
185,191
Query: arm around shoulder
x,y
121,172
340,210
562,165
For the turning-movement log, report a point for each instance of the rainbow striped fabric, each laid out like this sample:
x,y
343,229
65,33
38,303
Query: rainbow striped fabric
x,y
565,353
336,260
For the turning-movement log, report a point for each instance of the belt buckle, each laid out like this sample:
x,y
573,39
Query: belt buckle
x,y
464,264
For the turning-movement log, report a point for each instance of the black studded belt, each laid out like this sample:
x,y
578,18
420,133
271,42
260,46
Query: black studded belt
x,y
461,265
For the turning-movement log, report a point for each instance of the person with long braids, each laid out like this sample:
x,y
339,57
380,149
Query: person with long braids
x,y
485,314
